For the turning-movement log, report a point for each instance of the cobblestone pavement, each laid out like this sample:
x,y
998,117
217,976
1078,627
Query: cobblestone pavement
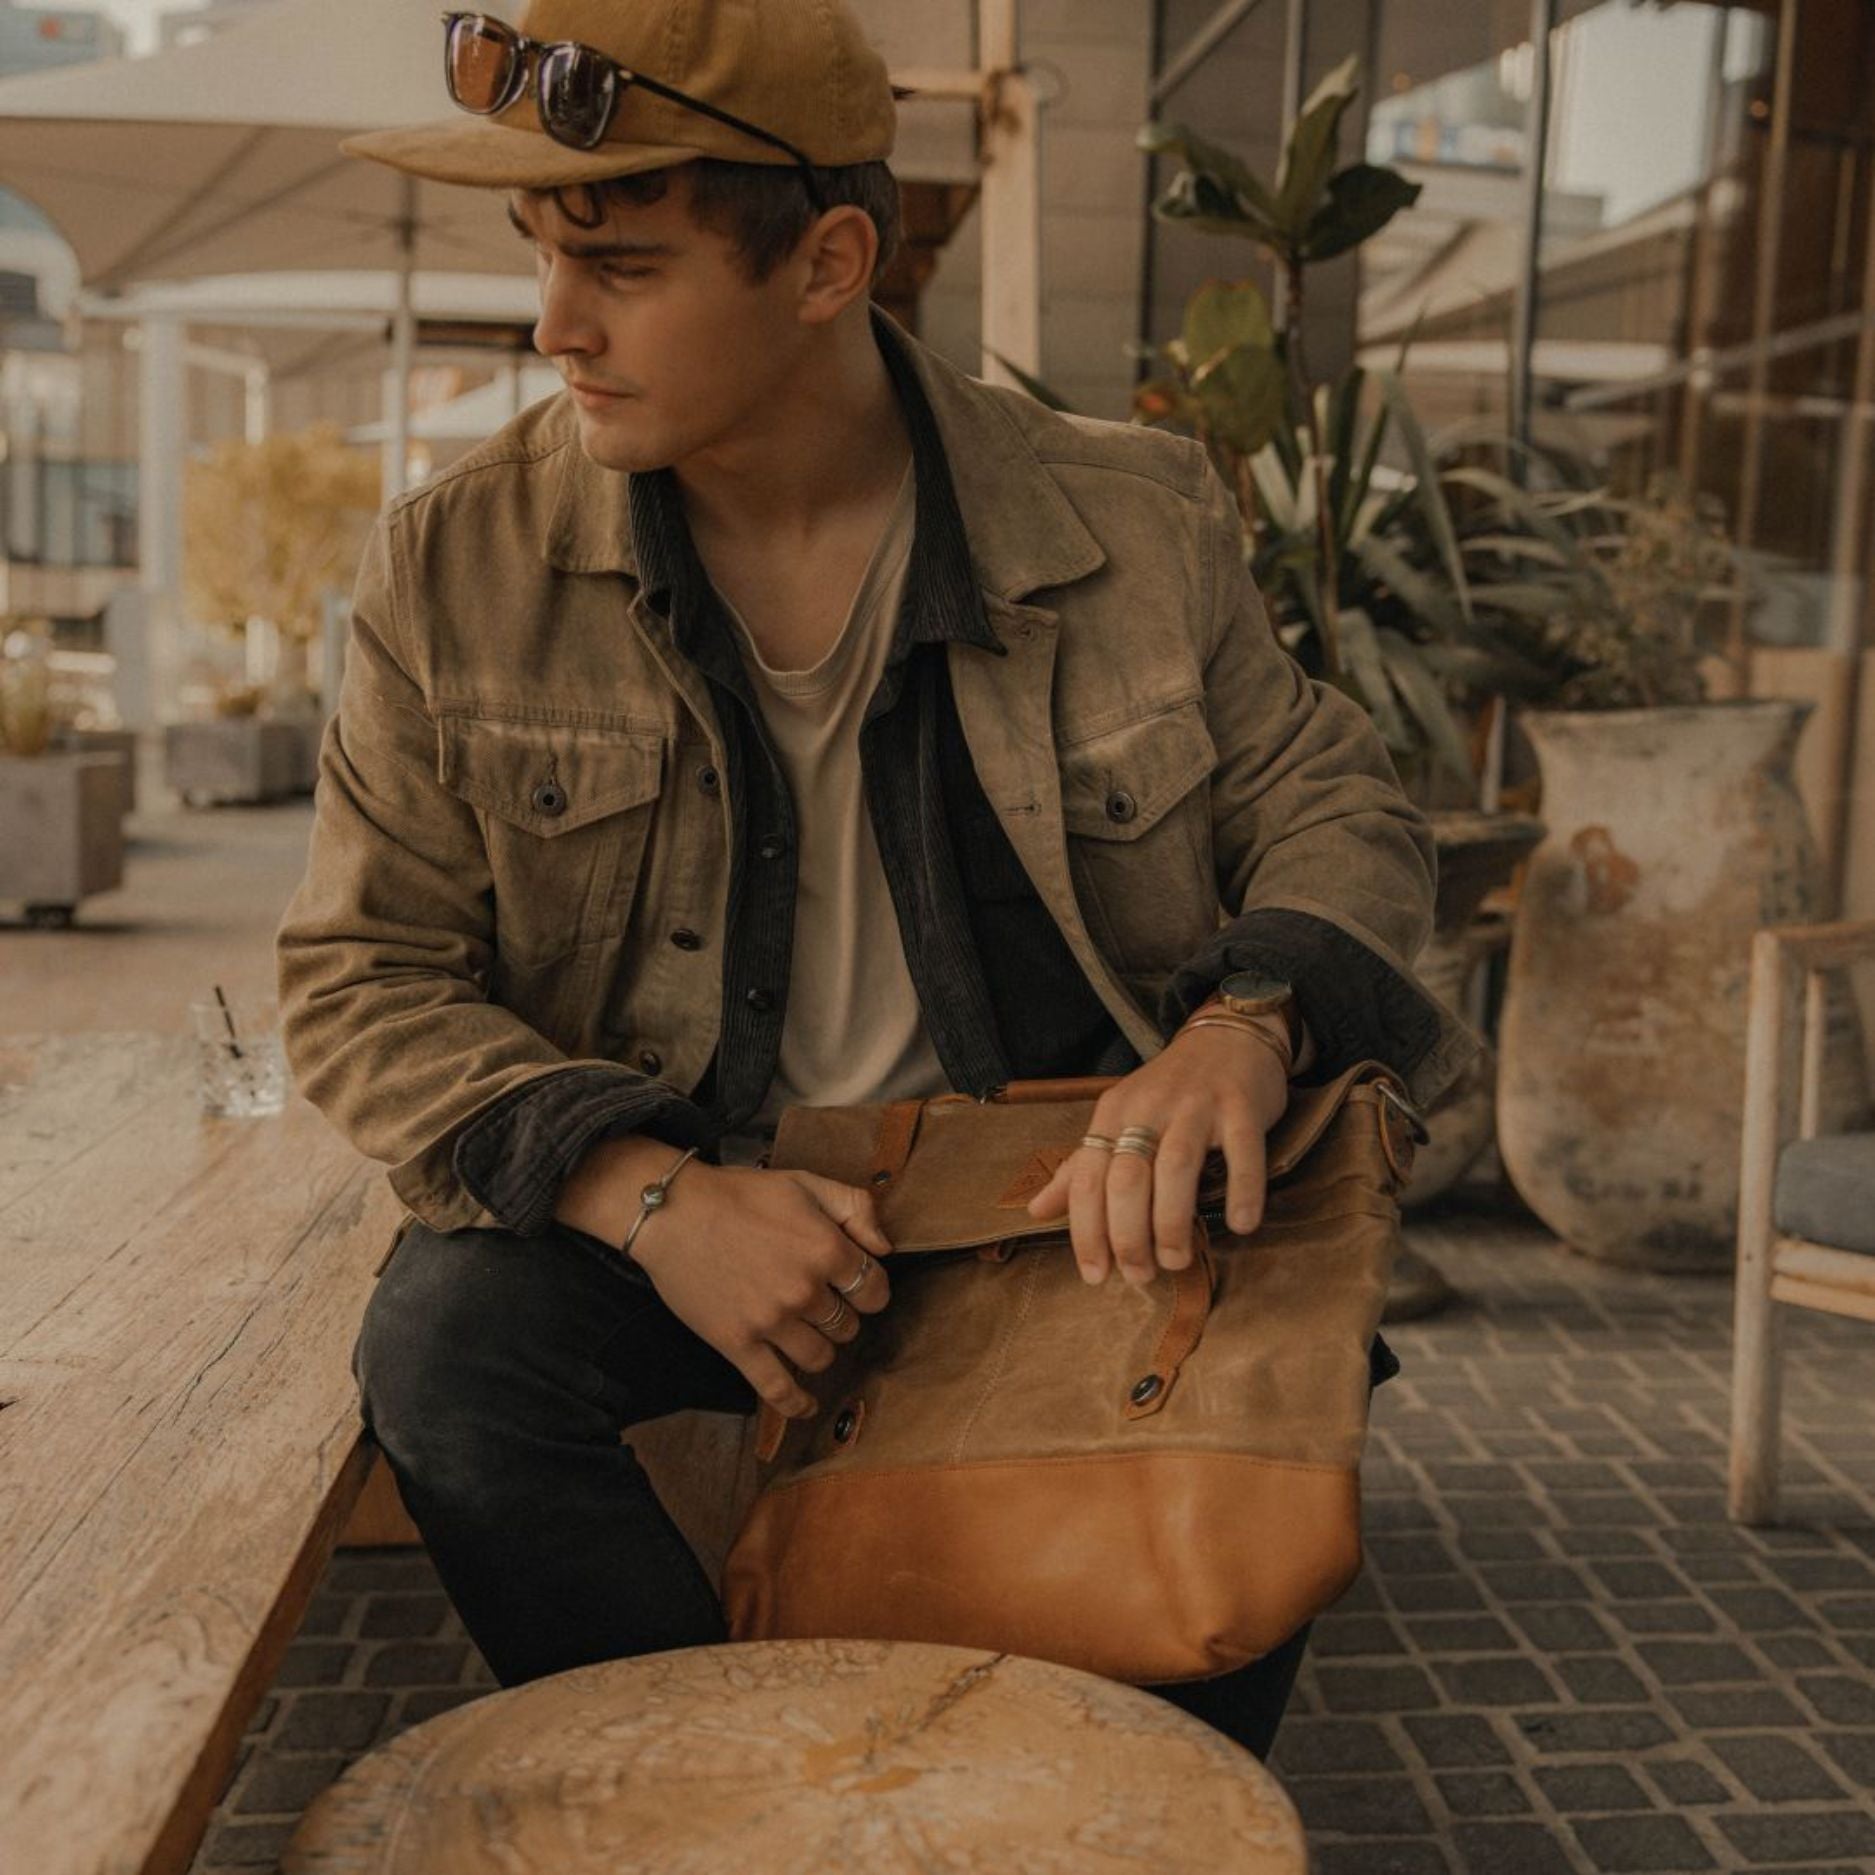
x,y
1561,1657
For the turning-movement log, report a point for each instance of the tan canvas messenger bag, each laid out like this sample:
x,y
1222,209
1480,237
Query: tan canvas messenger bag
x,y
1153,1484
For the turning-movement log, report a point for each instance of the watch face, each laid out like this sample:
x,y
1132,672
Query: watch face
x,y
1254,983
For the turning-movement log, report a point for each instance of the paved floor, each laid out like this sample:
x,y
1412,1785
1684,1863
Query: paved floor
x,y
1561,1656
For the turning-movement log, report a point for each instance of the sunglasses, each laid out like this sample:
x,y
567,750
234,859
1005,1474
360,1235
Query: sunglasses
x,y
577,88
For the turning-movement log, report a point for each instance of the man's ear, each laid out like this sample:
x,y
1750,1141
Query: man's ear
x,y
840,251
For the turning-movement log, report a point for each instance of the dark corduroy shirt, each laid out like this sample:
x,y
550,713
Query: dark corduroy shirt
x,y
1000,992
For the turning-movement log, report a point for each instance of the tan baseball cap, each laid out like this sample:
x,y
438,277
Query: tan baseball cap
x,y
800,69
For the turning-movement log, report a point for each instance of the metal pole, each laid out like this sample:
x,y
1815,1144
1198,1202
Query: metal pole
x,y
161,464
1536,176
1295,62
1704,271
403,347
1200,45
1764,305
1011,198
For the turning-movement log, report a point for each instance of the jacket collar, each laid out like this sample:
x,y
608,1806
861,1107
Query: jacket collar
x,y
1022,533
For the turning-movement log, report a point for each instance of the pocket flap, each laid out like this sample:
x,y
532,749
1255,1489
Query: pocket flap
x,y
547,777
1118,785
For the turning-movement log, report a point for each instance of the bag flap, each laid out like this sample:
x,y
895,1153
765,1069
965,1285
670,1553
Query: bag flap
x,y
954,1173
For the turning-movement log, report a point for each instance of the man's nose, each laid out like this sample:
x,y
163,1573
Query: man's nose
x,y
565,324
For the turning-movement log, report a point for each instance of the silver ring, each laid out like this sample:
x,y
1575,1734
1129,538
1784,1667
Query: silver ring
x,y
1097,1140
836,1318
865,1270
1144,1148
1147,1133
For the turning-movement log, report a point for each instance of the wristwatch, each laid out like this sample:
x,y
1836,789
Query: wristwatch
x,y
1252,993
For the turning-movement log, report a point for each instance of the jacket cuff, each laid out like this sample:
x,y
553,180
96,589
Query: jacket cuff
x,y
1357,1006
514,1157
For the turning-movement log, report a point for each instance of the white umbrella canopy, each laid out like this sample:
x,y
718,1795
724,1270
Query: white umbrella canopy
x,y
222,157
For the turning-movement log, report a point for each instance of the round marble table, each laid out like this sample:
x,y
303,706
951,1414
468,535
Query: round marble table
x,y
806,1758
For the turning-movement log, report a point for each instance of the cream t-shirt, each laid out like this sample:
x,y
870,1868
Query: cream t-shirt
x,y
853,1030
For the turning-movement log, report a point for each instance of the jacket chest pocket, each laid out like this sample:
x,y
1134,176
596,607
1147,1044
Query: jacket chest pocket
x,y
565,815
1136,809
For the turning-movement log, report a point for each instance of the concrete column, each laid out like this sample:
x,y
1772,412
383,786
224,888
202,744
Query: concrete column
x,y
160,465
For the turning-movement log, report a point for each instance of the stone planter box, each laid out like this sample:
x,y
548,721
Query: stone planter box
x,y
105,742
235,758
61,831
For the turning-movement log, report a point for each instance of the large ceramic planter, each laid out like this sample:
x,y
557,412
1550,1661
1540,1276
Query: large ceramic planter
x,y
1674,834
1477,854
61,831
235,758
106,742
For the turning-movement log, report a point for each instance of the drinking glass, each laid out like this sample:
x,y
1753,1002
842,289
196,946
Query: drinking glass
x,y
240,1068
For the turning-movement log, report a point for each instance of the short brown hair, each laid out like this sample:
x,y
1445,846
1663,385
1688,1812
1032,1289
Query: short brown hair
x,y
763,208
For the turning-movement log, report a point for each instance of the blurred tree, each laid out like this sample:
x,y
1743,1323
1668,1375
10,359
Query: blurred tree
x,y
270,527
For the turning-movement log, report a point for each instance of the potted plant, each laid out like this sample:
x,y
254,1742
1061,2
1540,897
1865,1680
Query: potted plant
x,y
61,811
1350,533
270,527
1674,831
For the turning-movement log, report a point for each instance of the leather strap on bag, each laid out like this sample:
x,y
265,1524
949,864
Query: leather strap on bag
x,y
1191,1308
898,1133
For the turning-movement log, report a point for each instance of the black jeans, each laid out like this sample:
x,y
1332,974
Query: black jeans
x,y
496,1373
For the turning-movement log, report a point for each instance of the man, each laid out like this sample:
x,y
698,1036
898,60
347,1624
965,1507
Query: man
x,y
780,715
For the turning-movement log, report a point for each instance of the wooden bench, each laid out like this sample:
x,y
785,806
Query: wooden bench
x,y
180,1446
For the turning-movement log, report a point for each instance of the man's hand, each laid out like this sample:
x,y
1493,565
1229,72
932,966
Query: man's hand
x,y
746,1258
1207,1087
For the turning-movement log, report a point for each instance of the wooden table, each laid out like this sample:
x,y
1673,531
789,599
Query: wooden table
x,y
179,1434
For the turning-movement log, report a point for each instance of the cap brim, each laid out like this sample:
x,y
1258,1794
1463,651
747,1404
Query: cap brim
x,y
482,153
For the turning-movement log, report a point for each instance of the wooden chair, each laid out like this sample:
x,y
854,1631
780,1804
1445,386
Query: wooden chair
x,y
1806,1202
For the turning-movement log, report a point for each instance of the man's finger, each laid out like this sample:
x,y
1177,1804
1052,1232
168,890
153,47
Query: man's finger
x,y
761,1367
1128,1193
1052,1199
1175,1193
1246,1154
1086,1170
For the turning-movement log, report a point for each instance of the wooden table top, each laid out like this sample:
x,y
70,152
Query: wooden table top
x,y
806,1758
179,1434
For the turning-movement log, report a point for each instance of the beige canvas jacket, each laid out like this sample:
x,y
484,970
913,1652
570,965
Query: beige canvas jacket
x,y
450,940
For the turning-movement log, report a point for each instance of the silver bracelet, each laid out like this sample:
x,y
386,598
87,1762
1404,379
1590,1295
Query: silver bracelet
x,y
652,1198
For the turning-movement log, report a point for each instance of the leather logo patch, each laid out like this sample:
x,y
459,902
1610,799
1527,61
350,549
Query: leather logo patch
x,y
1033,1176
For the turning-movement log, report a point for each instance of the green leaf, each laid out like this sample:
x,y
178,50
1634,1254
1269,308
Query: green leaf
x,y
1309,155
1198,153
1423,697
1525,599
1198,200
1362,199
1241,395
1360,651
1034,386
1519,505
1430,496
1344,410
1222,316
1416,590
1517,547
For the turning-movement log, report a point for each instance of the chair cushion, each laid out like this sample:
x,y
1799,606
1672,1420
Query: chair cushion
x,y
1825,1190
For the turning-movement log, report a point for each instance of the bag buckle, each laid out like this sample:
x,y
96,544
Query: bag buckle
x,y
1414,1118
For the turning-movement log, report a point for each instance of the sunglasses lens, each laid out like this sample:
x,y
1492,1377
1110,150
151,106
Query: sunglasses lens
x,y
480,60
578,89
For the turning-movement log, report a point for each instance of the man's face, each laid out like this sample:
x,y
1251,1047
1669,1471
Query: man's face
x,y
667,346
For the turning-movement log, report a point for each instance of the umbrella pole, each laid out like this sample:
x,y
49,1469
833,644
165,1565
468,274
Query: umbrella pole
x,y
403,346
